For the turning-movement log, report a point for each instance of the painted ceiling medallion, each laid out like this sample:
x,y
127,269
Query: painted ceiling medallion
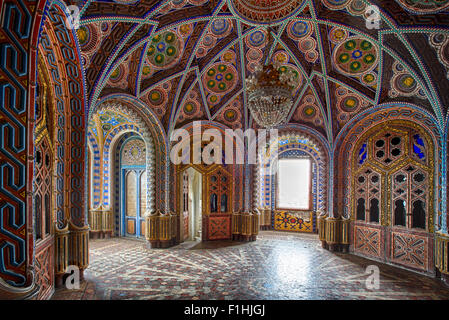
x,y
164,50
355,56
220,79
266,11
424,6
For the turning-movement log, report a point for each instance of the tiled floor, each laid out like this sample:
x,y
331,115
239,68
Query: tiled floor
x,y
276,266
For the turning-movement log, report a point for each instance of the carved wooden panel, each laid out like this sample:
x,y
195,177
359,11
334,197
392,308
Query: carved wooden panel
x,y
410,250
219,227
368,241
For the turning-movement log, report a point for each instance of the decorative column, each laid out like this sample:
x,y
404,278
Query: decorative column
x,y
107,223
345,232
442,236
332,233
236,225
95,223
79,247
161,229
442,255
255,224
61,254
165,230
152,228
264,218
322,230
246,219
101,222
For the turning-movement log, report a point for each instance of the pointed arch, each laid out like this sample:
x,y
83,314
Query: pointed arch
x,y
348,136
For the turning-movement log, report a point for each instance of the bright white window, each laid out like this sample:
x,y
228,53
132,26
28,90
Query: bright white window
x,y
294,184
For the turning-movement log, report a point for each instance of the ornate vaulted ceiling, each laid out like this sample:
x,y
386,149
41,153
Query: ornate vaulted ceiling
x,y
187,59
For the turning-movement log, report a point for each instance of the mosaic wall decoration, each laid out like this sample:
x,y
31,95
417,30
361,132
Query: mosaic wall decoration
x,y
394,164
348,104
308,110
256,42
90,37
260,11
355,56
303,33
95,191
134,153
424,6
440,42
164,50
410,250
219,80
157,98
193,108
119,77
219,228
404,84
218,29
55,43
368,241
231,114
294,221
110,120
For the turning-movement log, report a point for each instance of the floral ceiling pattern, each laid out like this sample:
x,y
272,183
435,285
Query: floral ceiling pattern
x,y
187,60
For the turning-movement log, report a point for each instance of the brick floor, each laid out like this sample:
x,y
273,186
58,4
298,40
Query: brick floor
x,y
277,266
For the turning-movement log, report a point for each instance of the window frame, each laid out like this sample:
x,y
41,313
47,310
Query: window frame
x,y
310,207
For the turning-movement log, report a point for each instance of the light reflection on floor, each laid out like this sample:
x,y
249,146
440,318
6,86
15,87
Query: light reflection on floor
x,y
278,265
292,267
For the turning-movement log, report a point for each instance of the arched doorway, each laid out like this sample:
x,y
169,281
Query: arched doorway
x,y
205,208
124,171
292,146
133,188
392,195
43,186
191,205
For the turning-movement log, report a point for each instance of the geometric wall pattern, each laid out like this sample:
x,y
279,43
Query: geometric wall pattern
x,y
292,145
368,241
393,162
410,250
190,63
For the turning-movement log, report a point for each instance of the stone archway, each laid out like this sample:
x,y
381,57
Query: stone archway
x,y
288,142
106,210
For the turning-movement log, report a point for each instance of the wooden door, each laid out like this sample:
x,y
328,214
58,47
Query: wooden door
x,y
185,204
133,201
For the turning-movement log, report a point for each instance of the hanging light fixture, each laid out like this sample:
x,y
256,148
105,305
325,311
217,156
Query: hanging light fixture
x,y
270,92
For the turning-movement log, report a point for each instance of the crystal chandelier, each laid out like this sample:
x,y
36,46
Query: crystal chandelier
x,y
270,92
